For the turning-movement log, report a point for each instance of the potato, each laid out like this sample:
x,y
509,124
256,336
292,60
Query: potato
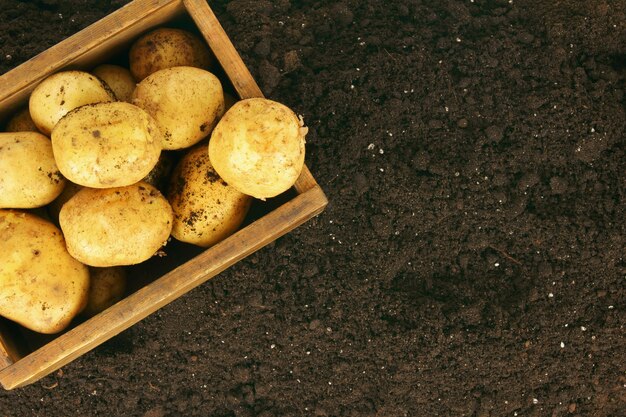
x,y
29,176
167,48
41,286
21,122
106,145
62,92
119,79
258,147
186,103
116,226
206,209
107,288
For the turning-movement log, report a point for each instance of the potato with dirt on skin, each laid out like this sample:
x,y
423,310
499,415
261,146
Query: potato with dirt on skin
x,y
206,209
116,226
41,286
61,93
118,78
258,147
29,175
186,103
21,122
106,145
166,48
107,288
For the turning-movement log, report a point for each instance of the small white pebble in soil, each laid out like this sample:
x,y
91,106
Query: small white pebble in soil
x,y
562,345
592,130
496,264
8,57
370,146
381,151
611,307
535,401
551,295
583,328
351,86
272,346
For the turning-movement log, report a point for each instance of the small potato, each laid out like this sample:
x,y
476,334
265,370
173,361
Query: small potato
x,y
21,122
107,288
62,92
106,145
166,48
186,103
258,147
29,176
116,226
118,78
206,209
41,286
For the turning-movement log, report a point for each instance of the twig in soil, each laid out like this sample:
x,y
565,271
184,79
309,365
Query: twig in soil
x,y
506,255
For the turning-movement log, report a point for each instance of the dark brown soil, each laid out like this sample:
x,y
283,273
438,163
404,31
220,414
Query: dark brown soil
x,y
471,260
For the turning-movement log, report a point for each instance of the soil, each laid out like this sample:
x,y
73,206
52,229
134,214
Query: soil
x,y
471,259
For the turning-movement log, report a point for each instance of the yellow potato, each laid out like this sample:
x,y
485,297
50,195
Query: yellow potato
x,y
106,145
21,122
186,103
62,92
258,147
29,176
166,48
116,226
107,288
206,209
41,286
118,78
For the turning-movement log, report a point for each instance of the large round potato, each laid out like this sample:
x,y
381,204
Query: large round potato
x,y
29,176
119,79
258,147
21,122
116,226
166,48
106,145
41,286
186,103
62,92
206,209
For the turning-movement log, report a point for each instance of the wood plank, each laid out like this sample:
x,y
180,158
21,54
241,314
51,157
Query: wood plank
x,y
84,48
223,48
147,300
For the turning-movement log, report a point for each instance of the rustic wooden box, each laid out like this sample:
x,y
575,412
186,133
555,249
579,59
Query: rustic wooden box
x,y
20,363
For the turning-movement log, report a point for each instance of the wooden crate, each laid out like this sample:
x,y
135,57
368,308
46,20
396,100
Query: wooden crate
x,y
20,363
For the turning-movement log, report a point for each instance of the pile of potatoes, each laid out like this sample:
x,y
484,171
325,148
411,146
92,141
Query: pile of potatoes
x,y
104,166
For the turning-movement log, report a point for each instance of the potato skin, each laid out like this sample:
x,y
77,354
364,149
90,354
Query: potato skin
x,y
29,176
116,226
106,145
118,78
41,286
62,92
258,147
186,103
107,288
166,48
206,209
